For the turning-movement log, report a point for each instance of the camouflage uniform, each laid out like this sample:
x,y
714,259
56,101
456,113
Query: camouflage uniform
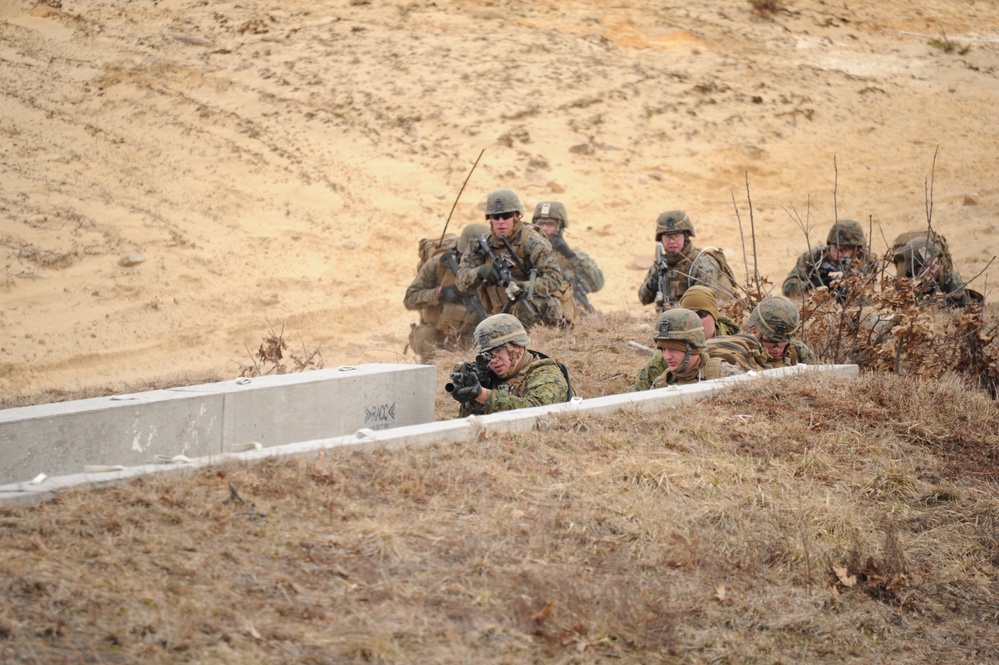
x,y
682,327
777,318
947,284
540,380
816,268
688,267
796,352
542,285
577,267
442,324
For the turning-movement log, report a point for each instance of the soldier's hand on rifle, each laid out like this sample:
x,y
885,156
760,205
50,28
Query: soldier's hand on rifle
x,y
449,294
469,389
652,282
488,273
514,290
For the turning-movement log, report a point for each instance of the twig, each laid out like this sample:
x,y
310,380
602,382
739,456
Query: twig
x,y
742,237
752,234
455,204
928,189
835,191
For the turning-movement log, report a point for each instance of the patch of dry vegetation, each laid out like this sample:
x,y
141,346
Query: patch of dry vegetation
x,y
811,519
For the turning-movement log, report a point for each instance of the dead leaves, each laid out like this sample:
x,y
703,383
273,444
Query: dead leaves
x,y
886,587
270,357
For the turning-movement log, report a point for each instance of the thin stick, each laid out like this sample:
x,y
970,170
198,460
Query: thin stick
x,y
752,234
742,237
835,191
928,188
455,204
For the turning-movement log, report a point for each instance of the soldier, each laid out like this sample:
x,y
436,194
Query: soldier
x,y
845,250
577,268
680,265
682,356
447,315
701,299
510,376
929,263
774,323
515,269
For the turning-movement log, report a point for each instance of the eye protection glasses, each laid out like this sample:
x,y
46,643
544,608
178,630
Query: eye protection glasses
x,y
500,215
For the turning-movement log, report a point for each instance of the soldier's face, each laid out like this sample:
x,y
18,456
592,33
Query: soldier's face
x,y
501,363
673,242
708,322
930,269
674,358
548,226
502,223
772,346
840,252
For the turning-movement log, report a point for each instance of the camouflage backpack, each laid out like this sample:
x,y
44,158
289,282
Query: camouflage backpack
x,y
743,351
427,248
730,289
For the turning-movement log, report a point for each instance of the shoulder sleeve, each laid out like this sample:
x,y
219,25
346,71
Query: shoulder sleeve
x,y
545,384
470,261
655,366
422,292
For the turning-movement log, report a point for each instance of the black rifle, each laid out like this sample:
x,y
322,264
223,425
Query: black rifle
x,y
663,269
579,291
503,266
579,286
470,298
823,276
467,373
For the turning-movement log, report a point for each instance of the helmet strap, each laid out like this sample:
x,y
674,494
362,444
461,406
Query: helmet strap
x,y
517,354
683,364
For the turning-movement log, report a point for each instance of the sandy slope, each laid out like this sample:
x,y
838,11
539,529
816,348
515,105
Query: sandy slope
x,y
278,161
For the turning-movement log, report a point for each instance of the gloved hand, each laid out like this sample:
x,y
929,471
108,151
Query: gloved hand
x,y
450,294
468,391
515,289
488,273
652,281
560,245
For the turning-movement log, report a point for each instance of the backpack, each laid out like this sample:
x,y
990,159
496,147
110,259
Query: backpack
x,y
427,248
719,256
743,351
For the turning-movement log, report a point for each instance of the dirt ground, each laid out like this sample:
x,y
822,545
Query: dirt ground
x,y
176,174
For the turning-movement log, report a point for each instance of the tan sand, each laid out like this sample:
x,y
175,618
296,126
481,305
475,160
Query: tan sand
x,y
176,174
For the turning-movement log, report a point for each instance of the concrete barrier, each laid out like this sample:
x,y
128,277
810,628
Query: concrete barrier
x,y
211,419
443,432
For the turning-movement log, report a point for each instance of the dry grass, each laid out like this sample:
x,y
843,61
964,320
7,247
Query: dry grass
x,y
803,520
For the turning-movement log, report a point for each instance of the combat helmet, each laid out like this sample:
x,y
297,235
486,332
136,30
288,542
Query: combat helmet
x,y
673,221
776,317
503,200
551,210
902,239
469,234
497,330
918,253
846,232
680,325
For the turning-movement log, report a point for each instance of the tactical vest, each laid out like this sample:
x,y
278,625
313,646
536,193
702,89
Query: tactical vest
x,y
495,298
